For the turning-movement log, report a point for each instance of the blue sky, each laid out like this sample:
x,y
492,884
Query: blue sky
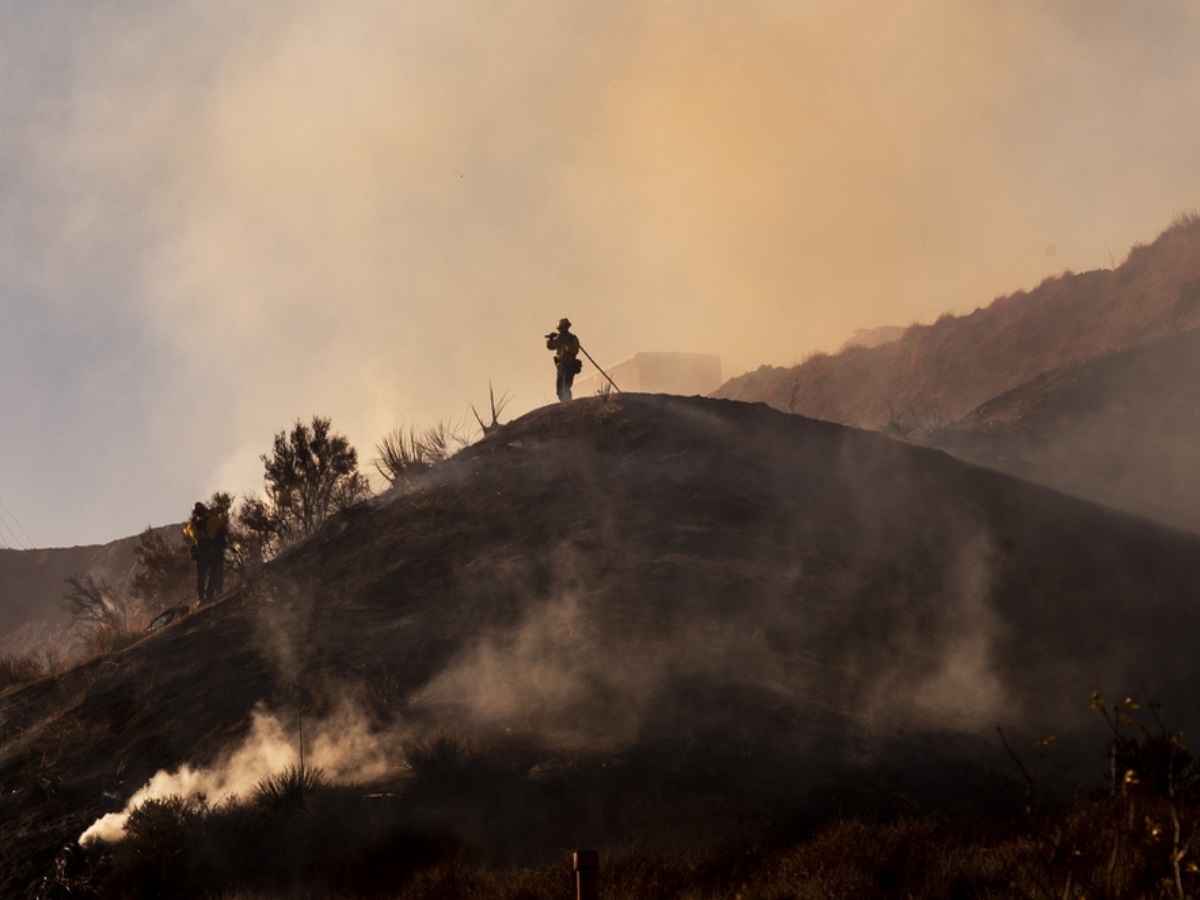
x,y
217,218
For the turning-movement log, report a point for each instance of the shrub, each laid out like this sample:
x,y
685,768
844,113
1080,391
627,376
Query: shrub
x,y
294,835
17,670
311,474
91,603
287,792
163,570
297,835
106,618
159,856
442,759
405,455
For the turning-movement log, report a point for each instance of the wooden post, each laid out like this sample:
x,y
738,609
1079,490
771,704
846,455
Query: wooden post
x,y
587,864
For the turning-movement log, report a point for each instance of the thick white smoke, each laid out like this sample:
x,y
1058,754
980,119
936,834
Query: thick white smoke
x,y
341,745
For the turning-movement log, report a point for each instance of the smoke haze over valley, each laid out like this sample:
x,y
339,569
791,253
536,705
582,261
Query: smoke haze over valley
x,y
219,219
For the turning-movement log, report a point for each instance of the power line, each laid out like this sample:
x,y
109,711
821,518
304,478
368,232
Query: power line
x,y
28,545
6,535
8,538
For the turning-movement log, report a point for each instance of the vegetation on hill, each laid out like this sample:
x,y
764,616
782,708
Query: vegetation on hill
x,y
310,474
298,834
111,595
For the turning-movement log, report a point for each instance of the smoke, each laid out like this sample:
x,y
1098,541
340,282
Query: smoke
x,y
947,679
342,745
233,217
573,673
282,630
549,674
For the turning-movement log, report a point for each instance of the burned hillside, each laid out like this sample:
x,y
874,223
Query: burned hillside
x,y
1121,429
711,599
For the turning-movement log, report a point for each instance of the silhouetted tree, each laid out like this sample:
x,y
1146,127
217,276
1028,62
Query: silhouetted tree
x,y
312,472
103,614
243,547
162,570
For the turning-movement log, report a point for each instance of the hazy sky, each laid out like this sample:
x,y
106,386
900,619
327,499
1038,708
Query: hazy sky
x,y
219,217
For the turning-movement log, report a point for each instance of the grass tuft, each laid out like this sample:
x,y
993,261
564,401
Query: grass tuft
x,y
19,670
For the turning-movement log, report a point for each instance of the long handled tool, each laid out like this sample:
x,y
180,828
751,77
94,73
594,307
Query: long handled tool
x,y
598,369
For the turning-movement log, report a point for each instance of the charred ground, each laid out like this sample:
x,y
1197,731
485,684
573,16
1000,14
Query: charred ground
x,y
686,619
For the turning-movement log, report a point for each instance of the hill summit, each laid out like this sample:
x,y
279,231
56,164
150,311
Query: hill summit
x,y
685,618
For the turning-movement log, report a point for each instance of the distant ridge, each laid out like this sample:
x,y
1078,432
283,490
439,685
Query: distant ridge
x,y
33,582
936,374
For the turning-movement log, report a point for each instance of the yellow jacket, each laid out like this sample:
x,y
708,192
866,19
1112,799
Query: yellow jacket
x,y
209,527
565,346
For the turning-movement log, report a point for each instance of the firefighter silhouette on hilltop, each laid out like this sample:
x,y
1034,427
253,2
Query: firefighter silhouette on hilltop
x,y
566,358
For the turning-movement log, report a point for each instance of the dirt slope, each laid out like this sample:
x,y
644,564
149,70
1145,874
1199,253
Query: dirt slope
x,y
780,609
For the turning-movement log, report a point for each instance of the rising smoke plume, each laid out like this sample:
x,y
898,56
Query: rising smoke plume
x,y
233,217
341,745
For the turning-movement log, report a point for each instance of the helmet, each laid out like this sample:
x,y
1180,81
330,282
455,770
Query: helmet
x,y
564,323
199,508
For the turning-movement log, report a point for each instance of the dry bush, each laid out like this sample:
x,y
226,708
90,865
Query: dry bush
x,y
95,606
477,820
18,670
342,844
163,571
106,620
405,455
457,878
295,835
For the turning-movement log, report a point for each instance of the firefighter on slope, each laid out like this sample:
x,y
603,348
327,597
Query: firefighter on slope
x,y
207,530
566,351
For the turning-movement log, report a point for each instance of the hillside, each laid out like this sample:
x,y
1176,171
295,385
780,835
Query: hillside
x,y
1122,429
33,582
688,619
936,374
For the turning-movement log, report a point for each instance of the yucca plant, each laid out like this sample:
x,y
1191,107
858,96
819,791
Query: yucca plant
x,y
289,791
